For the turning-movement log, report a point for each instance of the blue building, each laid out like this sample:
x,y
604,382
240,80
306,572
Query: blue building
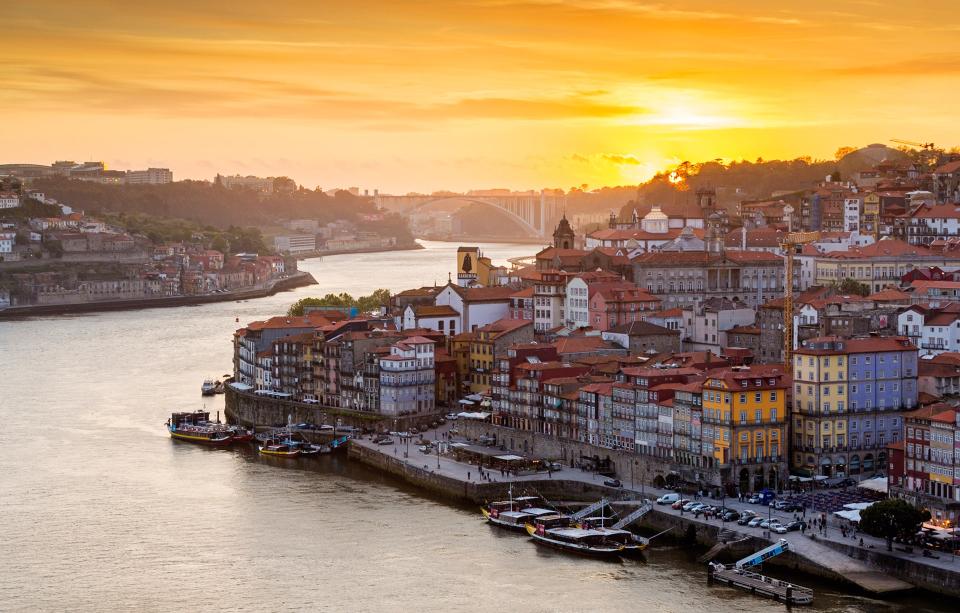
x,y
849,400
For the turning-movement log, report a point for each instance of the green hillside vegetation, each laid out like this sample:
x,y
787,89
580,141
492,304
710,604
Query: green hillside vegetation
x,y
215,206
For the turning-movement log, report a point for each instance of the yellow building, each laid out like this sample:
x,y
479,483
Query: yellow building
x,y
492,340
460,350
819,405
744,425
474,267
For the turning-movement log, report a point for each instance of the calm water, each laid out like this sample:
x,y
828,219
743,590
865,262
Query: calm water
x,y
100,510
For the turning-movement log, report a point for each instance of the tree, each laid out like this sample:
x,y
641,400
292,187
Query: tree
x,y
893,518
849,286
380,297
842,151
220,244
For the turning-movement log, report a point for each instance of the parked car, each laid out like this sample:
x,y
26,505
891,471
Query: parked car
x,y
791,507
730,515
668,499
778,528
452,416
753,523
680,503
691,504
754,499
796,525
769,523
745,517
384,441
613,483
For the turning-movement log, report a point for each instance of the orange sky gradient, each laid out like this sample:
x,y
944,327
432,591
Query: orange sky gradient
x,y
431,95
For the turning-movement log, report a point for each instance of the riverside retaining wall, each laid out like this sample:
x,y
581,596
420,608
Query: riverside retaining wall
x,y
429,479
934,579
251,410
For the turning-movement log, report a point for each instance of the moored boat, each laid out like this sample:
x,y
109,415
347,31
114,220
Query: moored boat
x,y
278,450
196,427
514,513
209,388
581,541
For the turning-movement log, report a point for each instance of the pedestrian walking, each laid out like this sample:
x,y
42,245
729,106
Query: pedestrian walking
x,y
468,475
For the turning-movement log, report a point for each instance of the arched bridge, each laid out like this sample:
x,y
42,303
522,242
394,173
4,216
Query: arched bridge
x,y
536,212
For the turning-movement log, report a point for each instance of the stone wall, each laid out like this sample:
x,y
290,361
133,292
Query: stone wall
x,y
940,580
628,467
427,478
251,410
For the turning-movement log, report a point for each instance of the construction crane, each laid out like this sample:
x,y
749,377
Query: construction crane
x,y
927,146
790,242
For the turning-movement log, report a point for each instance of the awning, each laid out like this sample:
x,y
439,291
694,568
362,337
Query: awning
x,y
877,484
479,416
508,458
849,515
241,387
465,402
476,397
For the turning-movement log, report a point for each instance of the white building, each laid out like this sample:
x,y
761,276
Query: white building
x,y
407,378
153,176
705,326
9,201
851,213
477,306
7,241
443,318
295,243
263,371
577,302
933,331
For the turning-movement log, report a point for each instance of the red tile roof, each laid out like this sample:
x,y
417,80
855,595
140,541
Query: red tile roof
x,y
310,320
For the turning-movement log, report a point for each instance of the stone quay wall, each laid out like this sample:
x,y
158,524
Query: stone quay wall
x,y
627,466
467,491
251,410
930,578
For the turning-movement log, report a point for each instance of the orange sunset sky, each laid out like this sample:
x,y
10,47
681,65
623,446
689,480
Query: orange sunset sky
x,y
454,94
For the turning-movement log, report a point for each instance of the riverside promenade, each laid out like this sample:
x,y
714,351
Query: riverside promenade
x,y
870,568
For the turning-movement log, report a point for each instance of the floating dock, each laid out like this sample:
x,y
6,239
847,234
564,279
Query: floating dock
x,y
737,576
761,585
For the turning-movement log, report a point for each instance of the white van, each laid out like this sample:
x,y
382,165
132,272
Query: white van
x,y
668,498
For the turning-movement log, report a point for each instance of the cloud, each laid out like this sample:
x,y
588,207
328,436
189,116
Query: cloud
x,y
620,159
943,64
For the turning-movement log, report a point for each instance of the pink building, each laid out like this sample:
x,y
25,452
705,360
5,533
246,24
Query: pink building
x,y
620,302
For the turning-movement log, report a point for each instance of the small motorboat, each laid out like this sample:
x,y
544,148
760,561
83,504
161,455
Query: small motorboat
x,y
279,450
209,387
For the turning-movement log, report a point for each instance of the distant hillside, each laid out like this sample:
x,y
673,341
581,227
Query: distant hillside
x,y
217,206
753,180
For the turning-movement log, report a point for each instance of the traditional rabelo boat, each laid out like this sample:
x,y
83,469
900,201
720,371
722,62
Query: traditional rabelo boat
x,y
630,541
514,513
196,427
581,541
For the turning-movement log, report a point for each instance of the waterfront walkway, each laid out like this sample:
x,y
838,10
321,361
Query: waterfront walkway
x,y
813,548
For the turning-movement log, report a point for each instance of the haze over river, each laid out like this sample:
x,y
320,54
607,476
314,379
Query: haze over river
x,y
100,510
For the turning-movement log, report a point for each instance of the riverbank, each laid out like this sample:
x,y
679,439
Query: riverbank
x,y
459,482
320,253
299,279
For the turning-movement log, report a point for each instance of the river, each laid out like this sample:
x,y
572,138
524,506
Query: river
x,y
100,510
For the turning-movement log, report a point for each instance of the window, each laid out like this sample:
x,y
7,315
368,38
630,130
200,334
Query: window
x,y
756,397
773,396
